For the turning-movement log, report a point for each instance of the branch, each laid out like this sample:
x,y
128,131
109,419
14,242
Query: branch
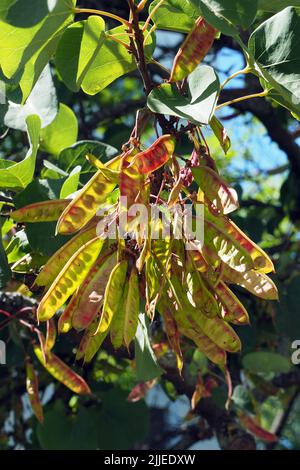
x,y
264,111
230,434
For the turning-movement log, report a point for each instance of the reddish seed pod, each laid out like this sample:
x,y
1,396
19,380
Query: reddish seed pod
x,y
193,50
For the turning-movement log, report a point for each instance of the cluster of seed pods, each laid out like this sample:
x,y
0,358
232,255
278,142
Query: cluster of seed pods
x,y
96,285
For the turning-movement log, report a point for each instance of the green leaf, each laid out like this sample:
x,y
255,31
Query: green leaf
x,y
71,183
42,102
60,432
264,362
27,28
77,49
174,15
61,133
112,61
75,155
274,46
95,427
147,367
131,420
227,15
274,6
199,104
5,272
19,175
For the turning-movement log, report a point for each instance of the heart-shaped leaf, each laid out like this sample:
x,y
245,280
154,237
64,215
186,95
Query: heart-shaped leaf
x,y
174,15
275,48
197,105
77,49
227,15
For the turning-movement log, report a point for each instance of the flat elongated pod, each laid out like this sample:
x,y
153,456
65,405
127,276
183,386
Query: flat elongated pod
x,y
189,328
220,246
216,329
113,295
257,283
261,261
193,50
156,155
112,175
199,296
233,310
91,292
93,345
132,308
46,211
132,183
90,342
197,259
221,133
65,319
219,332
118,321
86,204
50,335
32,387
172,331
57,262
208,347
215,189
70,277
251,425
63,373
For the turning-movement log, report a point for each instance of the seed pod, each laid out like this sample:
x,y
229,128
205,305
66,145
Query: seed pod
x,y
261,261
216,329
111,175
118,321
199,296
193,50
91,291
132,183
251,425
189,328
69,279
219,332
176,190
57,262
132,308
113,295
156,155
233,311
220,246
90,342
32,387
197,259
86,204
51,335
221,134
65,320
257,283
63,373
215,189
172,331
93,345
46,211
